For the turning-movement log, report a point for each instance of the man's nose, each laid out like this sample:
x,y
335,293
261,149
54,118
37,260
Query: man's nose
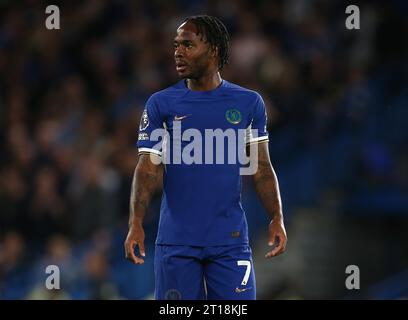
x,y
178,52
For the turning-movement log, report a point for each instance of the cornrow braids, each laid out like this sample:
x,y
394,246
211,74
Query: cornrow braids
x,y
214,32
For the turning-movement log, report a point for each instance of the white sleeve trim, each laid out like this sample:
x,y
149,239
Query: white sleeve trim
x,y
258,139
149,150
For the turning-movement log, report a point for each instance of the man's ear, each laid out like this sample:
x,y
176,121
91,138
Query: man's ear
x,y
214,51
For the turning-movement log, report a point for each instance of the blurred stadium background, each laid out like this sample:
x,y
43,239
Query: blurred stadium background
x,y
70,104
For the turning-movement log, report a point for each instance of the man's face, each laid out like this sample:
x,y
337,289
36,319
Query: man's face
x,y
192,54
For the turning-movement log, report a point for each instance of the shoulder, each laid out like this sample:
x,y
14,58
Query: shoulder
x,y
241,92
170,92
245,95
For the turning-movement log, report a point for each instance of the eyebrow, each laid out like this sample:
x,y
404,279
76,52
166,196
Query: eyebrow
x,y
183,41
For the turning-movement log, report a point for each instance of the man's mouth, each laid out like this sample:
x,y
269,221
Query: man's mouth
x,y
181,66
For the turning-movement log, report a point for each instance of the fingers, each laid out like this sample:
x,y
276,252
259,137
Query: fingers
x,y
280,247
130,252
141,248
271,240
272,237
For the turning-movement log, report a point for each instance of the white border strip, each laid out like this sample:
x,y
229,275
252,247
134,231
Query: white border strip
x,y
258,139
149,150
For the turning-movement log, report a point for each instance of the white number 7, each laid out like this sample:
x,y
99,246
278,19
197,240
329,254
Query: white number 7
x,y
247,264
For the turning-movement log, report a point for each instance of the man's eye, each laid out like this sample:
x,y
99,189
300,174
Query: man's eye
x,y
189,45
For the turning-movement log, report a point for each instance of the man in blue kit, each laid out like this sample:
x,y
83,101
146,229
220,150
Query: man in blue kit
x,y
202,249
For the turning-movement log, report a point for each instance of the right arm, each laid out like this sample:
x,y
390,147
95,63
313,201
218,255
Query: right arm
x,y
146,181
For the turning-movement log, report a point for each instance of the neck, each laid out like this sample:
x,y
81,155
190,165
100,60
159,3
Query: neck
x,y
205,83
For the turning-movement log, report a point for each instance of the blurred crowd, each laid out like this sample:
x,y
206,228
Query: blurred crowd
x,y
71,100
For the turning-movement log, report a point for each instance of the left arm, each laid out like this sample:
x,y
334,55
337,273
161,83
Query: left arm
x,y
267,188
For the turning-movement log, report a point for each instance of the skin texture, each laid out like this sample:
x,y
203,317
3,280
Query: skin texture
x,y
197,62
147,180
195,59
267,188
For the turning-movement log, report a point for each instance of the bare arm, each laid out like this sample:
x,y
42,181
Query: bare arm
x,y
267,188
146,181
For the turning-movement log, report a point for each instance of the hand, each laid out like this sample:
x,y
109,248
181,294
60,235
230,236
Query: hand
x,y
277,237
135,237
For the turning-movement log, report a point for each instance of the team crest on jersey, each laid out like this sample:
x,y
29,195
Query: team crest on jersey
x,y
144,122
233,116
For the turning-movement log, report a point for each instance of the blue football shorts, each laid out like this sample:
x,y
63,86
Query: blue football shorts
x,y
200,273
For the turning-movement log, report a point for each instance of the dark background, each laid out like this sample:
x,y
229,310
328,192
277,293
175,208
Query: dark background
x,y
70,104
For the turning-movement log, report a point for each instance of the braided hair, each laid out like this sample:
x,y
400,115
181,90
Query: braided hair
x,y
214,32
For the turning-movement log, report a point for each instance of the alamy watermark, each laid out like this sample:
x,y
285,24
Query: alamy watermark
x,y
214,146
353,20
52,282
353,280
53,20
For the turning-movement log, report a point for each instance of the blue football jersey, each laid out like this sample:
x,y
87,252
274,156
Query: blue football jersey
x,y
201,201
